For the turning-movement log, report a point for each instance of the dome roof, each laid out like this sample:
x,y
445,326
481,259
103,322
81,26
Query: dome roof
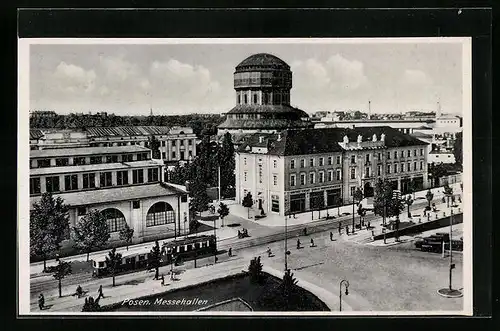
x,y
263,60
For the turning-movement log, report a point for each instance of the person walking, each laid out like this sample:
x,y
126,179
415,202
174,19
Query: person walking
x,y
162,280
99,292
305,231
230,252
79,292
312,242
269,253
41,301
298,243
331,236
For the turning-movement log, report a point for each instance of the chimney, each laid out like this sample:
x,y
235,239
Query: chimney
x,y
261,139
374,138
346,139
382,137
360,138
369,110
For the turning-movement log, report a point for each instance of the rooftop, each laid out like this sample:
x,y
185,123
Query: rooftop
x,y
262,60
266,109
127,131
327,140
86,151
93,167
232,123
99,196
35,134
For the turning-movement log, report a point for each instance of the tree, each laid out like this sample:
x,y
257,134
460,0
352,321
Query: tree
x,y
227,162
113,260
223,211
198,192
48,226
154,145
91,232
408,201
248,202
255,270
288,283
412,188
127,234
458,149
382,198
155,259
358,196
429,196
448,192
61,270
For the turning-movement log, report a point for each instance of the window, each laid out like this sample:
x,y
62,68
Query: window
x,y
88,180
79,160
402,154
395,154
275,180
421,165
139,157
163,143
330,160
330,175
311,162
379,155
353,159
388,155
292,180
163,155
190,154
127,158
136,204
321,177
114,219
353,173
173,154
338,174
70,182
152,175
245,176
302,163
260,173
62,162
190,142
414,166
395,168
414,152
312,177
95,160
106,179
182,155
244,161
239,99
292,164
45,163
421,151
353,188
302,179
388,168
122,177
275,203
367,158
275,164
338,159
137,176
160,213
81,211
367,172
379,170
321,161
245,99
112,159
35,185
255,98
52,184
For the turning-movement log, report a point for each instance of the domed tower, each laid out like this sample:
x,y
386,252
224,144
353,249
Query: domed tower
x,y
262,83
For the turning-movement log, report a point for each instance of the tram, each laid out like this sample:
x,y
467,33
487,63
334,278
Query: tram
x,y
174,251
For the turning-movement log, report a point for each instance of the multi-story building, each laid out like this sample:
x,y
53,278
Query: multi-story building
x,y
57,138
299,170
123,182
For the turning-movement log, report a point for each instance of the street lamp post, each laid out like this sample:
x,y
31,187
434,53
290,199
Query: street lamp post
x,y
286,243
396,196
346,283
451,249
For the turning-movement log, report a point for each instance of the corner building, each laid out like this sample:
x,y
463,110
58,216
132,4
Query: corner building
x,y
296,171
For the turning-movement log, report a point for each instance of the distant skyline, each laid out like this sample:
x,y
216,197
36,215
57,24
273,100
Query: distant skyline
x,y
175,79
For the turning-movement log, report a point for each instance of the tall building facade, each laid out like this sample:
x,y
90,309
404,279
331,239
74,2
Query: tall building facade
x,y
298,170
262,83
123,182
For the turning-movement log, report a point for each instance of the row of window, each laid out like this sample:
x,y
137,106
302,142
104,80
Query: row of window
x,y
402,153
401,167
182,143
331,176
267,98
52,183
182,155
312,162
82,160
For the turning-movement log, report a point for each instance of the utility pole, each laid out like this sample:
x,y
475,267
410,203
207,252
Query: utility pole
x,y
451,250
218,178
286,243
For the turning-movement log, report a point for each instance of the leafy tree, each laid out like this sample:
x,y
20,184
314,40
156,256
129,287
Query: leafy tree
x,y
408,201
48,226
223,211
358,195
198,192
458,148
91,232
288,283
412,188
155,258
448,192
248,202
113,260
127,234
255,270
382,198
227,162
61,270
154,145
429,196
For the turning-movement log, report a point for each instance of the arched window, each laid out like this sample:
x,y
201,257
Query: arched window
x,y
159,214
115,219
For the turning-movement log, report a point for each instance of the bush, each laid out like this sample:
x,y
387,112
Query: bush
x,y
255,270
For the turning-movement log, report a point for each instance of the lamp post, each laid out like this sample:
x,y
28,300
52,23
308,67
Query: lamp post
x,y
451,249
346,284
396,196
286,242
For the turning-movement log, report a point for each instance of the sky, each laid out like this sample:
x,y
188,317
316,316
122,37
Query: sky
x,y
172,79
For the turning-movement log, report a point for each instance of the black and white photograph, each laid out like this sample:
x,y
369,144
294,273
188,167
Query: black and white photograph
x,y
238,176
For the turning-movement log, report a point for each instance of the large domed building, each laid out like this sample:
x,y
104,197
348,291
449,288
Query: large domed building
x,y
262,83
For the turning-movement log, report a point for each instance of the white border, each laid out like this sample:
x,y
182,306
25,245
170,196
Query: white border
x,y
23,304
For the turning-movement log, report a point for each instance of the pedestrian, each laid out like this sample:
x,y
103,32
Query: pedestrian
x,y
305,231
162,280
41,301
79,291
230,252
425,212
347,230
369,226
269,253
312,242
331,236
298,243
100,292
294,216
